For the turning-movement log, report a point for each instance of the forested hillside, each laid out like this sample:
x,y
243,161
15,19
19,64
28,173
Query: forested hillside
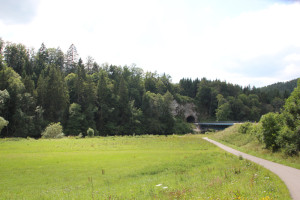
x,y
46,86
282,87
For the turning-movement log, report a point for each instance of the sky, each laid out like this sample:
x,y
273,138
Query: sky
x,y
243,42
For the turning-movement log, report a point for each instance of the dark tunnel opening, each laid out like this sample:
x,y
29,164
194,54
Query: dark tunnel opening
x,y
190,119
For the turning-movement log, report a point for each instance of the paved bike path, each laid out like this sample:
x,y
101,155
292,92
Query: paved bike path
x,y
289,175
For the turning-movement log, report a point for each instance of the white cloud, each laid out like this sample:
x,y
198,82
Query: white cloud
x,y
292,57
243,39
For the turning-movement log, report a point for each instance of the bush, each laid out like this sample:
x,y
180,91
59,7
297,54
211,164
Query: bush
x,y
90,132
287,140
256,130
290,150
53,130
3,123
79,136
245,128
271,124
182,127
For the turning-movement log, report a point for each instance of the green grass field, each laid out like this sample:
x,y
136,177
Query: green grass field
x,y
140,167
248,143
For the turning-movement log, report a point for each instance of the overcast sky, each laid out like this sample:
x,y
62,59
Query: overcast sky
x,y
246,42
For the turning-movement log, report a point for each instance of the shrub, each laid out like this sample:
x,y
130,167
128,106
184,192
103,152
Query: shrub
x,y
287,140
53,130
79,136
90,132
290,150
182,127
245,128
256,130
271,124
3,123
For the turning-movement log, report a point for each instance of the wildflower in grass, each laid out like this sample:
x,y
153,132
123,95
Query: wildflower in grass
x,y
266,198
165,187
159,185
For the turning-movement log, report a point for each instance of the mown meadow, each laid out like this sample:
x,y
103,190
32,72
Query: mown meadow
x,y
130,167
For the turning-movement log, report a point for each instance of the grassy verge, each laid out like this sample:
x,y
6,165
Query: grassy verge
x,y
248,143
141,167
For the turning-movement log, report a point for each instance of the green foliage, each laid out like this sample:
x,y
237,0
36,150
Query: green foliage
x,y
3,123
17,57
282,130
157,112
4,97
182,127
39,87
76,121
11,81
286,140
292,107
52,93
188,87
13,87
223,112
53,130
90,132
150,82
271,124
206,100
245,128
256,130
183,99
281,87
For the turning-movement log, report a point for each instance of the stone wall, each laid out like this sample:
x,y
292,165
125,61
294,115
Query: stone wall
x,y
188,110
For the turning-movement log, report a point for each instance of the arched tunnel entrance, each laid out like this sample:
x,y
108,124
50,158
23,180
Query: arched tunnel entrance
x,y
190,119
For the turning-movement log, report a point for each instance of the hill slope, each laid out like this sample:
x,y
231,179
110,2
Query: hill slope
x,y
288,86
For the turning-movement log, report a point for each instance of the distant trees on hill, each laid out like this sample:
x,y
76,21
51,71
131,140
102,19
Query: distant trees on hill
x,y
48,86
218,100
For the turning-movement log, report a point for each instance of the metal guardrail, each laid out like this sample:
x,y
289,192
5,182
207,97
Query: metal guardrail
x,y
216,123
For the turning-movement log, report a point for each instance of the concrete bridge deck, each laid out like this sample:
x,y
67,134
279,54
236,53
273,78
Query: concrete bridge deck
x,y
204,126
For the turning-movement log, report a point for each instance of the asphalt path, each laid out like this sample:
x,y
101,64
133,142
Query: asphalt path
x,y
289,175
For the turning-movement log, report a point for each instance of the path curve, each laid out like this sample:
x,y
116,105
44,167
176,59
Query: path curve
x,y
289,175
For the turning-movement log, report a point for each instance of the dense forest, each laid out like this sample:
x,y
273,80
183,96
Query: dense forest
x,y
49,86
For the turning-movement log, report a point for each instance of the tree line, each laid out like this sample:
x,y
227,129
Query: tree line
x,y
279,131
221,101
48,86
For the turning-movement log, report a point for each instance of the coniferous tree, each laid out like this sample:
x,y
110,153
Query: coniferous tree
x,y
41,61
89,64
124,112
105,109
79,83
56,57
53,95
90,103
71,59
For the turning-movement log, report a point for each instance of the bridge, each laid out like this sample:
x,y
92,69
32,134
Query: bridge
x,y
205,126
